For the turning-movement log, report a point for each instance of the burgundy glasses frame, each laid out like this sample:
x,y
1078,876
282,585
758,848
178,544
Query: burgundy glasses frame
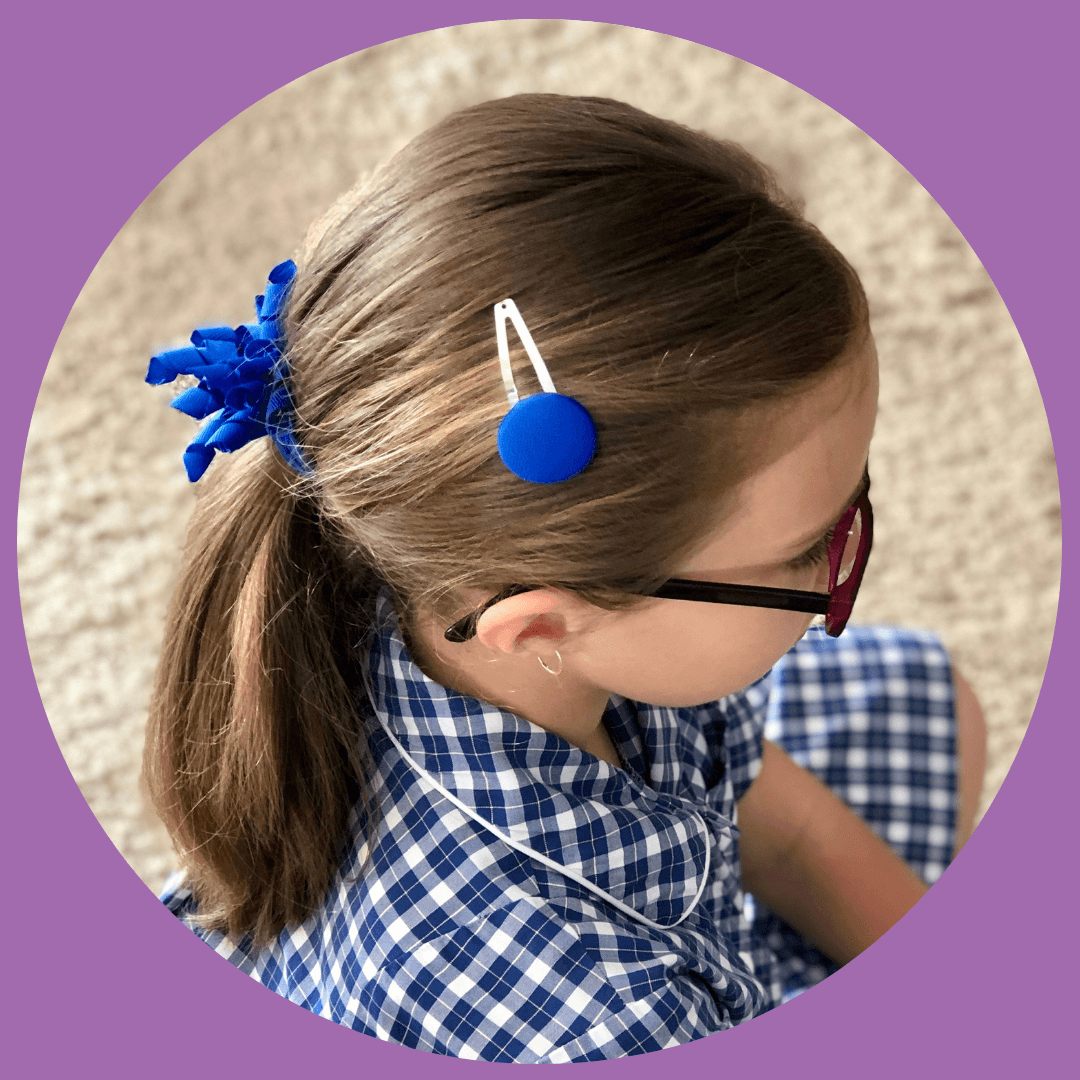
x,y
835,605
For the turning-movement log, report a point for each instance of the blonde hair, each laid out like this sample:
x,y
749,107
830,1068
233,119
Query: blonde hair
x,y
670,285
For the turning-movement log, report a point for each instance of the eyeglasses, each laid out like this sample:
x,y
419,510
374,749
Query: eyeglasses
x,y
848,551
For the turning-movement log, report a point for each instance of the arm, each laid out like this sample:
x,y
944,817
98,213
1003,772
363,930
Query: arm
x,y
815,862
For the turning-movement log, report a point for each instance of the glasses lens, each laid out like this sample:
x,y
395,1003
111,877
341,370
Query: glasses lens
x,y
851,548
848,555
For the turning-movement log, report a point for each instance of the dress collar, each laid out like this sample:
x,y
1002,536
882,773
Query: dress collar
x,y
644,845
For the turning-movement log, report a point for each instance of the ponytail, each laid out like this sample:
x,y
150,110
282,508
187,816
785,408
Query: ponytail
x,y
256,753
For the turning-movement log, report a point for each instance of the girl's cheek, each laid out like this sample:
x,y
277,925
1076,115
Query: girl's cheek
x,y
697,654
760,654
731,665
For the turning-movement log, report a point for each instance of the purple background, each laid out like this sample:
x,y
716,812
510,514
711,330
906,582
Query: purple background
x,y
103,100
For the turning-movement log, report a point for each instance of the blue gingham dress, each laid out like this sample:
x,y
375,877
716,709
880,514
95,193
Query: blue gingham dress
x,y
527,902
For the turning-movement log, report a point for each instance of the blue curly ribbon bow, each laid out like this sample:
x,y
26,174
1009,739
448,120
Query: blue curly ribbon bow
x,y
242,392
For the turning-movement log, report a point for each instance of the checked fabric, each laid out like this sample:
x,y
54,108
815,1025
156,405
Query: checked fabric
x,y
455,942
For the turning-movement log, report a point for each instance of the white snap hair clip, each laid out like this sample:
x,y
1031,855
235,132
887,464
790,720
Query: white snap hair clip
x,y
548,437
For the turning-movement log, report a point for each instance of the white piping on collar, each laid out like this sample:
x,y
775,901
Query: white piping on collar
x,y
551,863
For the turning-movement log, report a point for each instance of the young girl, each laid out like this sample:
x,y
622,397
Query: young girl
x,y
458,727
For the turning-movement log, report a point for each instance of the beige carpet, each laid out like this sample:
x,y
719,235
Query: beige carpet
x,y
964,478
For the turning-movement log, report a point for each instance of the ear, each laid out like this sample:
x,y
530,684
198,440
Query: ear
x,y
541,613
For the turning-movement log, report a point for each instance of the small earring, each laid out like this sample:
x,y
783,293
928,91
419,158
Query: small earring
x,y
547,669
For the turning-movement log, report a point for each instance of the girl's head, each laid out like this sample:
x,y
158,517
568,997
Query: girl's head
x,y
719,343
808,468
671,287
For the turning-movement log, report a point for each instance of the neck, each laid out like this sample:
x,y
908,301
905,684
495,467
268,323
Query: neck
x,y
564,704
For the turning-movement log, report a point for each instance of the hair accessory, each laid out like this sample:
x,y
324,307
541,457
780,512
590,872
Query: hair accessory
x,y
544,438
242,392
547,669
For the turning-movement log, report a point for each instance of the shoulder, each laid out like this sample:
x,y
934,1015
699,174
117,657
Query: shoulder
x,y
866,666
470,960
864,662
520,984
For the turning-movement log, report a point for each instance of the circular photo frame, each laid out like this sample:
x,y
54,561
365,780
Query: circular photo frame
x,y
113,100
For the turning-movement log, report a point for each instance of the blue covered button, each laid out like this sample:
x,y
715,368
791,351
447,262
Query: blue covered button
x,y
547,438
